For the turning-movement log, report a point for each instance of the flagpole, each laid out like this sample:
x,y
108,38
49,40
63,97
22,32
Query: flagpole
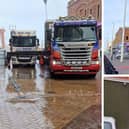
x,y
123,31
46,15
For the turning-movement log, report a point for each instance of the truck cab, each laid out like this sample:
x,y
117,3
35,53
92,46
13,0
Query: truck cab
x,y
74,47
23,42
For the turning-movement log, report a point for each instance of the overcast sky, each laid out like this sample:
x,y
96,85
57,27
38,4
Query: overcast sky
x,y
113,14
29,14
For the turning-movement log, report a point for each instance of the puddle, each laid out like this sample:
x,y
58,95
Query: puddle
x,y
51,92
45,103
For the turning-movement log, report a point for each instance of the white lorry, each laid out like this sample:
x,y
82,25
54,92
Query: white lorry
x,y
23,44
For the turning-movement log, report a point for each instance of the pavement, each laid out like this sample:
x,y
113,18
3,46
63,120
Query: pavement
x,y
121,67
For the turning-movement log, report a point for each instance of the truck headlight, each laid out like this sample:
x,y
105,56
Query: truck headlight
x,y
95,62
55,62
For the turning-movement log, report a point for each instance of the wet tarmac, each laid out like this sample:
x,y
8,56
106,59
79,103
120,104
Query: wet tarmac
x,y
30,99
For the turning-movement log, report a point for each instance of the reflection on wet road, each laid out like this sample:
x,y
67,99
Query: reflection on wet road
x,y
44,103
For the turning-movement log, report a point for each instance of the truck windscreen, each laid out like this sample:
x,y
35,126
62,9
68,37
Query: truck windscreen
x,y
75,33
24,41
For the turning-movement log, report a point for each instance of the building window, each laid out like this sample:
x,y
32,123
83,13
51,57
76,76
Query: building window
x,y
81,11
127,38
85,12
98,11
90,11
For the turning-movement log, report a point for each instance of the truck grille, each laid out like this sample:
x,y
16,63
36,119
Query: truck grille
x,y
24,48
24,59
75,54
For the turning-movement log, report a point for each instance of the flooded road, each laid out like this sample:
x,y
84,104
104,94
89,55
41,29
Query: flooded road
x,y
30,99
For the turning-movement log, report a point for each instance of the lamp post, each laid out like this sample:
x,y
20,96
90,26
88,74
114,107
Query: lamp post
x,y
45,2
112,41
46,16
123,31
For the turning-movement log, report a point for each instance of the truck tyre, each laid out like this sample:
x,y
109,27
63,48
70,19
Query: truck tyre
x,y
14,65
32,65
93,76
52,75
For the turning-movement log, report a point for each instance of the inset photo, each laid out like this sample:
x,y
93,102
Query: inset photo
x,y
116,103
116,37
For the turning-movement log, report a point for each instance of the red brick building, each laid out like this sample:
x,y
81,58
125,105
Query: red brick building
x,y
118,36
84,8
2,38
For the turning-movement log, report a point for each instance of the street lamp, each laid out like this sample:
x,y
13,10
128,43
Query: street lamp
x,y
123,32
46,17
45,2
112,41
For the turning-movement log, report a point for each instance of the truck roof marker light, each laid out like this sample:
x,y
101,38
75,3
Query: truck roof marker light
x,y
95,54
90,17
56,55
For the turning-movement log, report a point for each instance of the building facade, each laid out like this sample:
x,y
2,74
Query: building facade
x,y
85,8
2,38
118,36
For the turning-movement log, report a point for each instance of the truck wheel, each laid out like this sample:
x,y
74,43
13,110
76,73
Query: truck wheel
x,y
32,65
93,76
52,75
14,65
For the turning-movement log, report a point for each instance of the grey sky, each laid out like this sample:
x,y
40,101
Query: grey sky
x,y
29,14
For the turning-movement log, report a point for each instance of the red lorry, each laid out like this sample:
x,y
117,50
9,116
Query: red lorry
x,y
74,46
